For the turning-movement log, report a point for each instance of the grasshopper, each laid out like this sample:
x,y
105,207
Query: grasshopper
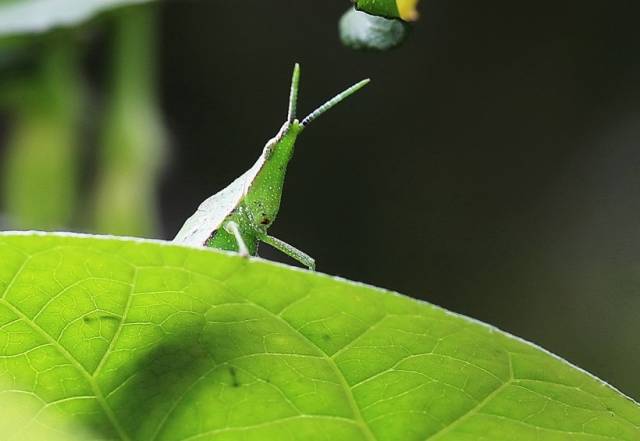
x,y
237,218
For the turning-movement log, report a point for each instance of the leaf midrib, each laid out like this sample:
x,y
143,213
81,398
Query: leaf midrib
x,y
355,408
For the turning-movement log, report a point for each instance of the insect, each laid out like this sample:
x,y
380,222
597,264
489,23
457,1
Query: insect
x,y
237,218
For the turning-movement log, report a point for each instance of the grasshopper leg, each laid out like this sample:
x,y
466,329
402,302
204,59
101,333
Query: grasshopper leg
x,y
290,251
232,228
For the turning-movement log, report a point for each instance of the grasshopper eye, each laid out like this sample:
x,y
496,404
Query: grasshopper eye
x,y
265,220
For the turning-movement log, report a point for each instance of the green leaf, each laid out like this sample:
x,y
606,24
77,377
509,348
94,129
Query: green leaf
x,y
34,16
362,31
142,340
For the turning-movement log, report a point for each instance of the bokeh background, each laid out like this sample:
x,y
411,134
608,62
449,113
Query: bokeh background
x,y
492,167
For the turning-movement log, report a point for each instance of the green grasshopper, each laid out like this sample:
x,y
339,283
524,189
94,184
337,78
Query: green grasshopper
x,y
237,218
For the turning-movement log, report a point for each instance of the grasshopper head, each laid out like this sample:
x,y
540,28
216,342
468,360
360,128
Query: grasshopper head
x,y
262,201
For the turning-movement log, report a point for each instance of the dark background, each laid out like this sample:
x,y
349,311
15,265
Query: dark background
x,y
492,167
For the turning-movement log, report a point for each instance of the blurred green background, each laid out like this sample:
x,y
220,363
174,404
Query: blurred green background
x,y
492,167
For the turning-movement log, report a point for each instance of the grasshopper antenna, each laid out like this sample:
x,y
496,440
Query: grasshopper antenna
x,y
333,101
293,95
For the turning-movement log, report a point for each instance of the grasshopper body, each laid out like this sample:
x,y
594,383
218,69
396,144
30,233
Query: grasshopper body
x,y
237,218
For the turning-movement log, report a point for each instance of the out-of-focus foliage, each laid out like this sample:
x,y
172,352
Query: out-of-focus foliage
x,y
49,123
133,140
359,30
34,16
39,170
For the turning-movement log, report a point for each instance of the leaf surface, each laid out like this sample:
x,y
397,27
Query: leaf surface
x,y
34,16
142,340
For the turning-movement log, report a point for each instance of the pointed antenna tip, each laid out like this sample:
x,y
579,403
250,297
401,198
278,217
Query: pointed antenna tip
x,y
333,101
293,94
362,83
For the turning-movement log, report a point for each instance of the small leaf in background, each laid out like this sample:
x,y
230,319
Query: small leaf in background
x,y
362,31
142,340
35,16
403,9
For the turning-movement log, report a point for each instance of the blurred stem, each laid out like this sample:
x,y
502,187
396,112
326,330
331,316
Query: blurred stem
x,y
42,153
133,142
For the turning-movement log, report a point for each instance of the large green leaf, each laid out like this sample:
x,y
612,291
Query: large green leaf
x,y
33,16
142,340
